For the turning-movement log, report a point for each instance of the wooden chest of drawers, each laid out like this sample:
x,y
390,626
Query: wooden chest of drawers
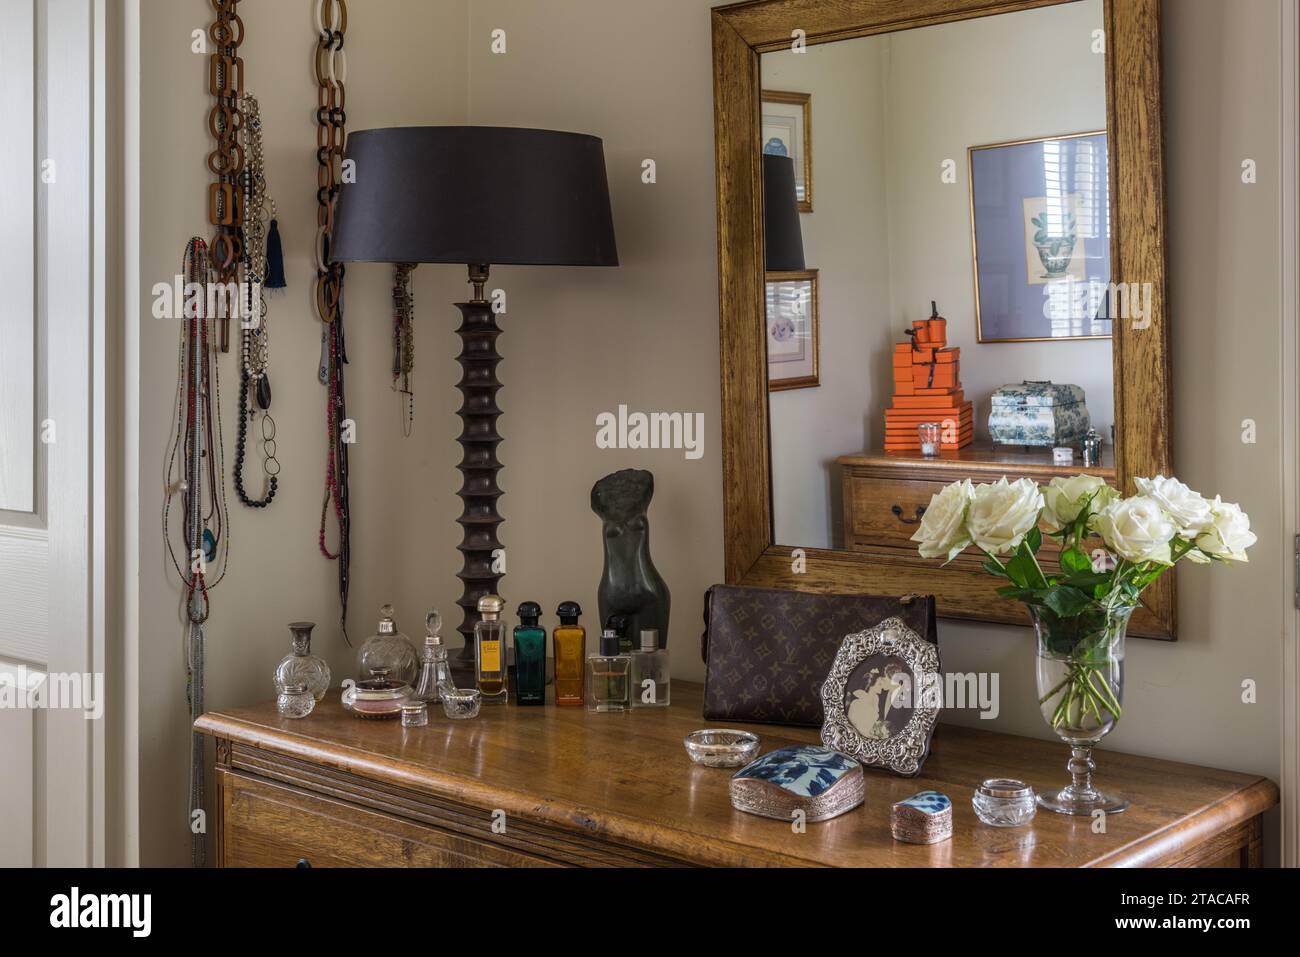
x,y
545,787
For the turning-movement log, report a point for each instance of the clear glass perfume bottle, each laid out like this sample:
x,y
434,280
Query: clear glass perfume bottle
x,y
530,656
389,650
435,672
618,624
607,676
302,667
490,651
649,673
570,640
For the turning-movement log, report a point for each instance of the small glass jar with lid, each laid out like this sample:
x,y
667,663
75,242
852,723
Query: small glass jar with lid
x,y
301,667
415,714
295,701
389,651
1004,802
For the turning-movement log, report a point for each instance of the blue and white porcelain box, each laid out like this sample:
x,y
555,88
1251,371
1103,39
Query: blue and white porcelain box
x,y
818,781
1039,413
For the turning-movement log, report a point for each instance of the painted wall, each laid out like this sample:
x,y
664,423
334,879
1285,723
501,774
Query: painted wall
x,y
846,239
403,490
579,342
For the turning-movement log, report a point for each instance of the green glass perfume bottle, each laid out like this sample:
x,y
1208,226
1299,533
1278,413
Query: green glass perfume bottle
x,y
530,656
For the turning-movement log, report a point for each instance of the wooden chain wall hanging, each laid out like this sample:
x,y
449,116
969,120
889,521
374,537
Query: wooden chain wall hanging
x,y
226,162
330,64
195,471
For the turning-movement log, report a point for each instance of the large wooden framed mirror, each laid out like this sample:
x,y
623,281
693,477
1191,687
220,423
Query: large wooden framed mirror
x,y
1002,158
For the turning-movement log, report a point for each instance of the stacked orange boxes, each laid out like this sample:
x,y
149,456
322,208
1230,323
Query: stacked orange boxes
x,y
927,388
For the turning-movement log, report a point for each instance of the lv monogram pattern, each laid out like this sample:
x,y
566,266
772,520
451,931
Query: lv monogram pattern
x,y
768,651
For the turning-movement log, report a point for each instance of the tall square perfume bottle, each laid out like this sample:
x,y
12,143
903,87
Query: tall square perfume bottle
x,y
490,651
607,676
570,640
530,656
649,672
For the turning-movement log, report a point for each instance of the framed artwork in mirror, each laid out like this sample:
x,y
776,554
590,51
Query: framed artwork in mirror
x,y
793,331
1125,88
1040,238
787,131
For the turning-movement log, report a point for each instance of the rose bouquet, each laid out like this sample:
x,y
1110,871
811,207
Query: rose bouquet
x,y
1111,548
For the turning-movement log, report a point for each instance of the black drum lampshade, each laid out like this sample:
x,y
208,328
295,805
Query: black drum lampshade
x,y
475,194
784,238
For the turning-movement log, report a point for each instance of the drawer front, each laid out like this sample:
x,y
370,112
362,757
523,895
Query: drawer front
x,y
882,513
268,825
885,511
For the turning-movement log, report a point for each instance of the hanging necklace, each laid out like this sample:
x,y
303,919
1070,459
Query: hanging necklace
x,y
263,265
404,342
195,469
330,64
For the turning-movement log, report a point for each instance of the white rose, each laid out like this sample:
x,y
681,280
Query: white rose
x,y
943,527
1136,528
1064,499
1189,510
1001,514
1229,534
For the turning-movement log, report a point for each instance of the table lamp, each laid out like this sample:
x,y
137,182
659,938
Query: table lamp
x,y
478,196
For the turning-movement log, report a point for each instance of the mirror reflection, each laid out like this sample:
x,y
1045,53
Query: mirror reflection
x,y
937,226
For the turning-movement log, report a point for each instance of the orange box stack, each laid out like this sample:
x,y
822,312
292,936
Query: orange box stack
x,y
927,388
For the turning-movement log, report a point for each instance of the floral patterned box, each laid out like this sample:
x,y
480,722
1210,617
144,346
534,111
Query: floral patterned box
x,y
1039,413
818,781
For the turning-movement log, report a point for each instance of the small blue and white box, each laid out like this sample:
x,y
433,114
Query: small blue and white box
x,y
924,818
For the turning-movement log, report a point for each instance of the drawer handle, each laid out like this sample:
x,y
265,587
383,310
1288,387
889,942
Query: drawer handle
x,y
303,864
898,513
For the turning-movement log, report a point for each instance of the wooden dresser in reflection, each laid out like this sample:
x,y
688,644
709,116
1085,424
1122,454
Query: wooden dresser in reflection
x,y
580,789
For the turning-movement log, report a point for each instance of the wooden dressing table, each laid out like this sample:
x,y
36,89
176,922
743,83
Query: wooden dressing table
x,y
611,790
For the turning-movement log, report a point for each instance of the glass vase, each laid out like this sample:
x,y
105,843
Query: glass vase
x,y
1080,672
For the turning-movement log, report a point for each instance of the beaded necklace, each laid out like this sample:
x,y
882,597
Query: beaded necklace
x,y
404,342
263,269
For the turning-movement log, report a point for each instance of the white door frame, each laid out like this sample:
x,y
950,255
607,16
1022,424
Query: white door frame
x,y
1290,413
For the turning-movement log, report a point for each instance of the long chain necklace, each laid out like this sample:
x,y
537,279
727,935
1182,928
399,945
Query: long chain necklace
x,y
195,469
330,64
404,342
225,120
255,341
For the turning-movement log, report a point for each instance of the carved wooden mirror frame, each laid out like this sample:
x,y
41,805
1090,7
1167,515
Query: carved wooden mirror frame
x,y
741,32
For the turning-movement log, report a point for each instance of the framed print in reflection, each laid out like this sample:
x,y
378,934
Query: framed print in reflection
x,y
787,131
793,346
1040,238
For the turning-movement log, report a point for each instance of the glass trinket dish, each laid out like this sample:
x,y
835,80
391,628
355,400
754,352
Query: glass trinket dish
x,y
389,650
377,697
1004,802
301,667
461,704
295,701
721,747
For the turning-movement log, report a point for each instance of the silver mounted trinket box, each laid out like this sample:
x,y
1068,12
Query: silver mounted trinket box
x,y
815,780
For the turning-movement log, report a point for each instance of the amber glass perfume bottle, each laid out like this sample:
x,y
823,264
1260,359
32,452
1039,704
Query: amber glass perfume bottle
x,y
570,641
530,656
607,676
490,651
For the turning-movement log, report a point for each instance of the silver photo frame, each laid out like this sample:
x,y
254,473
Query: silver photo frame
x,y
882,698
